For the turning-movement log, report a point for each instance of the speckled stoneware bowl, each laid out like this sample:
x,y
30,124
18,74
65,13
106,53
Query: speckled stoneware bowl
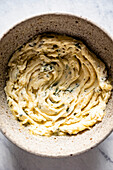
x,y
98,41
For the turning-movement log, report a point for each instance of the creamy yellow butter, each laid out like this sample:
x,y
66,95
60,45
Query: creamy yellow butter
x,y
57,86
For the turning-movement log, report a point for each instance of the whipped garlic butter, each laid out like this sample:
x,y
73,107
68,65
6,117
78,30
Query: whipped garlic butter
x,y
56,86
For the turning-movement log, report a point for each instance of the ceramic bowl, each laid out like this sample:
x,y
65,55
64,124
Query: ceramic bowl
x,y
98,41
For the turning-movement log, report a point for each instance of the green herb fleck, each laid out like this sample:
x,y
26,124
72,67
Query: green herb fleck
x,y
58,129
39,107
18,119
66,76
51,67
58,50
67,110
50,88
32,44
56,90
77,84
55,83
45,69
40,44
54,63
67,66
47,75
78,45
75,56
103,78
26,113
69,90
55,46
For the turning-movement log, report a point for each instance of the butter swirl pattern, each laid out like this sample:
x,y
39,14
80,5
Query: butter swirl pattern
x,y
57,86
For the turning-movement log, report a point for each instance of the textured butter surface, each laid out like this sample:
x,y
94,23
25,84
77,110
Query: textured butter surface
x,y
57,86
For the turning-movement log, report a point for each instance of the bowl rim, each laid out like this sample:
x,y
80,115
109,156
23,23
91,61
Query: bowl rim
x,y
57,14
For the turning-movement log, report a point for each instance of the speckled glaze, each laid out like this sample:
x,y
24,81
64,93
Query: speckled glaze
x,y
98,41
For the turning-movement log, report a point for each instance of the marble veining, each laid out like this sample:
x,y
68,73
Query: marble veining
x,y
101,13
106,156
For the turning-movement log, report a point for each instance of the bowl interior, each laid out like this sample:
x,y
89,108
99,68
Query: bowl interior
x,y
98,41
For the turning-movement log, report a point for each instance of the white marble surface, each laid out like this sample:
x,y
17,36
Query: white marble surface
x,y
14,11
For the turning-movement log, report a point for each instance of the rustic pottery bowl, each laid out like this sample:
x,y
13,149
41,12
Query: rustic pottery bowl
x,y
98,41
